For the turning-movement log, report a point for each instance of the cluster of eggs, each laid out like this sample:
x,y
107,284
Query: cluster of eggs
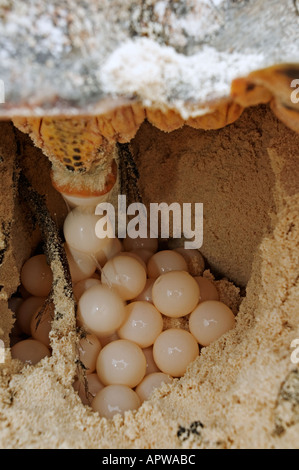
x,y
143,314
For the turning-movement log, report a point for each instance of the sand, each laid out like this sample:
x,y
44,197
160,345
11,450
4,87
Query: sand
x,y
244,387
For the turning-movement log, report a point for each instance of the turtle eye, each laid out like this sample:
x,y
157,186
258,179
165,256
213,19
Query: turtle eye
x,y
250,86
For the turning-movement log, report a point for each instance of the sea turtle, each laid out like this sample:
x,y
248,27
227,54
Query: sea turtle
x,y
82,149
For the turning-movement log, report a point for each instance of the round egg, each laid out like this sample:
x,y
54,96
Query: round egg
x,y
142,325
87,391
210,320
175,294
121,362
174,350
80,231
126,275
150,383
30,351
208,290
41,323
101,310
115,399
26,311
132,244
36,276
89,348
165,261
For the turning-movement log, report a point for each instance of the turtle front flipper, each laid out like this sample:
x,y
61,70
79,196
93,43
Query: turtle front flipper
x,y
82,149
83,160
275,85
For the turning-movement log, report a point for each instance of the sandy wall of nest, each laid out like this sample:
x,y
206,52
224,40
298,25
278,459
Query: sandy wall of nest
x,y
243,388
